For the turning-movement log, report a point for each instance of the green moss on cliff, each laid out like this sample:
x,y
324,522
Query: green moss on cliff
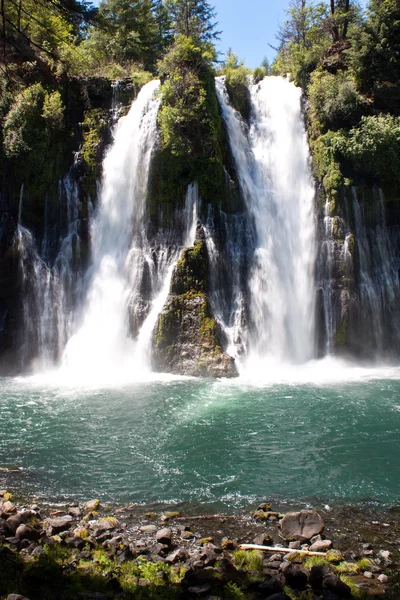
x,y
191,271
192,137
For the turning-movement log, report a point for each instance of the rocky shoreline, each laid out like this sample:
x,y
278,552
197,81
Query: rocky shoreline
x,y
98,552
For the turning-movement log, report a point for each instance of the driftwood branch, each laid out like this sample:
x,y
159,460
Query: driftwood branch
x,y
281,550
207,518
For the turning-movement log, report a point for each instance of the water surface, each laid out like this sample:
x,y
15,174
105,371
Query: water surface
x,y
228,443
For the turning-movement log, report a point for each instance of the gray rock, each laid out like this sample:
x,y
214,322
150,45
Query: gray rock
x,y
179,555
27,533
317,574
316,538
208,555
38,552
76,542
148,529
16,597
294,545
337,586
16,520
302,525
295,577
75,512
200,589
270,587
5,529
321,546
227,571
263,540
368,575
60,523
276,557
383,578
164,536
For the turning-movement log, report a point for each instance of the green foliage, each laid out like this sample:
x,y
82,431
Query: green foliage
x,y
23,123
258,74
93,130
375,55
326,163
184,98
193,18
316,561
191,270
190,126
250,560
334,100
374,147
233,592
237,82
303,40
53,111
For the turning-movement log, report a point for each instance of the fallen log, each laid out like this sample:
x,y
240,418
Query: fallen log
x,y
281,550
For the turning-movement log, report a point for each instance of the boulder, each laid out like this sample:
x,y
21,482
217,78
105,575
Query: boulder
x,y
333,584
148,529
263,540
60,523
317,574
179,555
228,572
295,577
164,536
92,505
27,533
270,587
301,525
321,546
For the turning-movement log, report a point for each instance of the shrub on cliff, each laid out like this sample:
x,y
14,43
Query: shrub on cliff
x,y
374,147
191,130
334,100
237,82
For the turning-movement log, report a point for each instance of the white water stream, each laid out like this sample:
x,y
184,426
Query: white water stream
x,y
273,166
123,255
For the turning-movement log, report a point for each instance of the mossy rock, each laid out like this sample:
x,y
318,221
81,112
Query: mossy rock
x,y
187,338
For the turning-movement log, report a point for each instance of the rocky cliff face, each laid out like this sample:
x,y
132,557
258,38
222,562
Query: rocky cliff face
x,y
47,195
187,338
358,304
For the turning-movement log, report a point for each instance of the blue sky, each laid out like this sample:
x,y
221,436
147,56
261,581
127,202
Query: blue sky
x,y
248,26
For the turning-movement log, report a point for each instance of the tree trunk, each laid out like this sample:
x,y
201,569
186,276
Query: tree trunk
x,y
334,28
346,20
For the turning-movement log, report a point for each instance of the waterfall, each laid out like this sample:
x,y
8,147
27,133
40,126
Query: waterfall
x,y
132,266
358,279
50,287
273,167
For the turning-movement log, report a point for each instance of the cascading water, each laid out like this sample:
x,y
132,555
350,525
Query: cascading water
x,y
358,279
101,340
272,162
50,286
131,271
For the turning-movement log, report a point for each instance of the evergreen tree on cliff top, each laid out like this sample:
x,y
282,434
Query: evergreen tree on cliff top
x,y
193,18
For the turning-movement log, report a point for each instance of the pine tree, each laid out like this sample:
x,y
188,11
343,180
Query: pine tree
x,y
193,18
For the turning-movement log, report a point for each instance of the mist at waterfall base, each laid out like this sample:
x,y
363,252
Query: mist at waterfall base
x,y
289,428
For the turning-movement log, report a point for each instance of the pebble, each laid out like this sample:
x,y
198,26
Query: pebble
x,y
368,575
383,578
148,529
92,505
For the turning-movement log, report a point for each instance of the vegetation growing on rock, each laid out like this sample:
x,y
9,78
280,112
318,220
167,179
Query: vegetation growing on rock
x,y
187,338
